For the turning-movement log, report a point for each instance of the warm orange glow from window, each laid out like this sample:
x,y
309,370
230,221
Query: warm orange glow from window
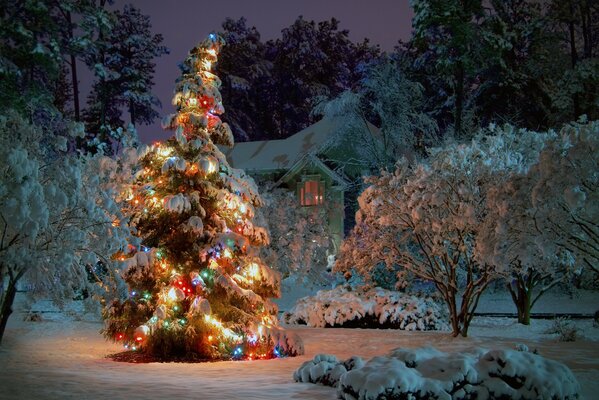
x,y
311,193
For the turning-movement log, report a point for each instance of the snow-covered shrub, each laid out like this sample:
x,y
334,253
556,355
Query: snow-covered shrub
x,y
427,373
368,308
58,214
564,328
326,369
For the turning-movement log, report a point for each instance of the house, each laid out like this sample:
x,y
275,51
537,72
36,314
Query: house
x,y
301,163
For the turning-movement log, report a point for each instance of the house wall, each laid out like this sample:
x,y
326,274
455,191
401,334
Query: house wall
x,y
334,196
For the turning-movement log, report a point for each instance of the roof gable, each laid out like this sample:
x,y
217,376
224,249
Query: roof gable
x,y
282,154
310,160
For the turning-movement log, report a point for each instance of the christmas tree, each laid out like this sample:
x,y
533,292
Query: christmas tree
x,y
197,288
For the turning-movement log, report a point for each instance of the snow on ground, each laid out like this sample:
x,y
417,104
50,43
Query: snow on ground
x,y
554,301
60,358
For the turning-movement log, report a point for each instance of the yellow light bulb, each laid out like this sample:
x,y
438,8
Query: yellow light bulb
x,y
164,151
253,270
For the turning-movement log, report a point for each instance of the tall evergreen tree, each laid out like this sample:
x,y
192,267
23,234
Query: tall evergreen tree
x,y
245,71
449,35
124,66
201,290
310,61
576,23
513,83
30,63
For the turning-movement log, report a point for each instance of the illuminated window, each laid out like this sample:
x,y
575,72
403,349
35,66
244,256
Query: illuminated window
x,y
311,192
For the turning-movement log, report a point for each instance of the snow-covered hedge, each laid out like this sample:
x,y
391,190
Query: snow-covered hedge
x,y
375,308
427,373
326,369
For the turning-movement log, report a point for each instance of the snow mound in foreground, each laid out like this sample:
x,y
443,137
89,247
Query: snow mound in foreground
x,y
326,369
427,373
364,308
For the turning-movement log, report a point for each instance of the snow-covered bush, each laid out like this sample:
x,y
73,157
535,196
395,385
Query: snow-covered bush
x,y
368,308
427,373
326,369
565,330
57,214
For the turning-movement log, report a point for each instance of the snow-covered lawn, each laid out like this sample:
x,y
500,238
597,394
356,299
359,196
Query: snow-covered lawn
x,y
63,359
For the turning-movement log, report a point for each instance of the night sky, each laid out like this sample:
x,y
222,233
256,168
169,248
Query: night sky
x,y
185,22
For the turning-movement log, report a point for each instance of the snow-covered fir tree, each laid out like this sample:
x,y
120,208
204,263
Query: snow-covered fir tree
x,y
197,287
123,63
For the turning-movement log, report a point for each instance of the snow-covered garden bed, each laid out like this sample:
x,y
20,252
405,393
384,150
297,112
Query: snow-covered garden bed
x,y
427,373
371,308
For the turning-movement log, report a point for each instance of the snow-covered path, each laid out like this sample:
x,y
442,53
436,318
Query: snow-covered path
x,y
66,360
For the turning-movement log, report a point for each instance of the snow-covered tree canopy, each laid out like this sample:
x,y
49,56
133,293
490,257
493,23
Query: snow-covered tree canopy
x,y
565,194
388,99
543,221
427,218
56,213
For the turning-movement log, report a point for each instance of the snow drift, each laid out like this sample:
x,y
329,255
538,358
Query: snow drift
x,y
427,373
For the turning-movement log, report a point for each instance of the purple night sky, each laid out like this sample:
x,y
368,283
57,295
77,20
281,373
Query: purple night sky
x,y
185,22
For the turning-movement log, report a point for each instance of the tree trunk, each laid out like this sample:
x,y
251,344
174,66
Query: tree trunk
x,y
454,317
75,87
466,325
521,296
132,111
586,24
6,309
573,54
459,100
74,79
523,306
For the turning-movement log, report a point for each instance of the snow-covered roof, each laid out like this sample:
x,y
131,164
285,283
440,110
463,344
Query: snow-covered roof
x,y
310,159
281,154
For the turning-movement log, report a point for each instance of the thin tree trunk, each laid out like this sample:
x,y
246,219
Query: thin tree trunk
x,y
586,28
132,112
573,53
6,309
459,100
453,314
74,79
